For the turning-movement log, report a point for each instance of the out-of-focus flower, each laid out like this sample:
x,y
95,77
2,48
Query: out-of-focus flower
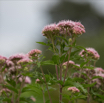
x,y
38,81
9,63
24,61
77,30
34,53
73,89
33,99
2,60
27,80
99,70
16,57
5,90
70,63
91,52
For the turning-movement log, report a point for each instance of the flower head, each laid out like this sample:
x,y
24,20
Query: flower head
x,y
91,52
33,99
9,63
68,27
24,61
17,57
27,80
34,53
99,70
50,30
73,89
69,63
2,59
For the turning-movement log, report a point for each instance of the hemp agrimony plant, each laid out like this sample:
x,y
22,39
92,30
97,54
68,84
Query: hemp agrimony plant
x,y
21,81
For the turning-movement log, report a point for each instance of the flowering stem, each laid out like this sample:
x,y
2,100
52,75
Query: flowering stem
x,y
46,84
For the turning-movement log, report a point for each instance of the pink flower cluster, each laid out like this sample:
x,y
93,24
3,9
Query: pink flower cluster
x,y
51,29
91,52
65,28
2,59
73,89
70,28
69,63
34,53
17,57
24,61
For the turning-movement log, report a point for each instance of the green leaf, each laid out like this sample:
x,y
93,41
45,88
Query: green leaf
x,y
48,101
89,85
11,88
42,43
82,64
12,82
3,68
60,82
78,79
56,59
74,52
96,77
47,62
8,100
80,47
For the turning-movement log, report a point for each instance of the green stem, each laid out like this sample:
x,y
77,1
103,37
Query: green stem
x,y
68,59
43,95
60,100
46,84
22,84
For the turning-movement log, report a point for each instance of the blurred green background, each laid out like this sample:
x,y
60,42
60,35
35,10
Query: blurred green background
x,y
21,23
